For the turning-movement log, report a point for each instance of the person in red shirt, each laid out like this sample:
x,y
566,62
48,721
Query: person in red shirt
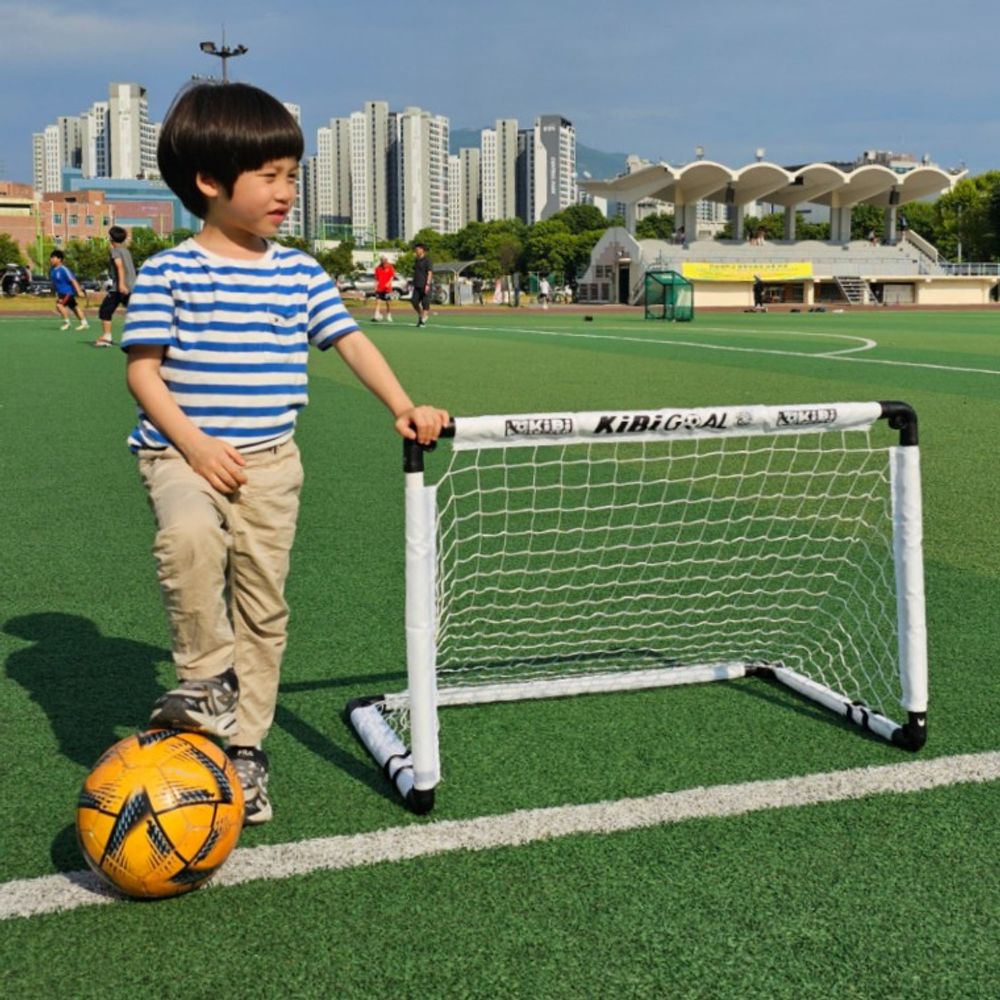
x,y
384,274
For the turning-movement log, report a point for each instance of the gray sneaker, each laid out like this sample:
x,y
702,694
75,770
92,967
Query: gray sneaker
x,y
202,706
251,766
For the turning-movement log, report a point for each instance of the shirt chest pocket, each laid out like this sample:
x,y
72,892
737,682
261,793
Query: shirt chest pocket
x,y
283,316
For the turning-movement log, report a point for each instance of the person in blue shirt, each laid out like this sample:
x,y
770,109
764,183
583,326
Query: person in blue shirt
x,y
67,289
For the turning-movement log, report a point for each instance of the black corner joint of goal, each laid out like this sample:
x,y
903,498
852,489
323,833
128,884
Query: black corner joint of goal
x,y
913,735
413,452
903,418
420,801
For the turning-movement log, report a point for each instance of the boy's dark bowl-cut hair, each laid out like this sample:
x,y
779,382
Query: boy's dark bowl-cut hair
x,y
117,234
221,130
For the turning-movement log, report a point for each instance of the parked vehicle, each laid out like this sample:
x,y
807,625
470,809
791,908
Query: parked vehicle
x,y
14,279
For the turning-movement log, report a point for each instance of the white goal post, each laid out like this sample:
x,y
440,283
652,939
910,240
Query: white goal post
x,y
555,554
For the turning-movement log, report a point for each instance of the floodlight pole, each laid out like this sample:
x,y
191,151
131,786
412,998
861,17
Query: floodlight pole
x,y
224,53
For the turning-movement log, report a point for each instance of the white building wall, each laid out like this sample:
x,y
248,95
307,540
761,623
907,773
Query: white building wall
x,y
499,170
293,224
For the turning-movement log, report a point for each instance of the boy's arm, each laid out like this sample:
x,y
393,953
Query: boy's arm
x,y
212,458
420,423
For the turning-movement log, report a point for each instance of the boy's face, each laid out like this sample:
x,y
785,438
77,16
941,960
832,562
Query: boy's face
x,y
260,201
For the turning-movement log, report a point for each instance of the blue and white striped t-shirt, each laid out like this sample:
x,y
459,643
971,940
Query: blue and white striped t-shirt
x,y
237,336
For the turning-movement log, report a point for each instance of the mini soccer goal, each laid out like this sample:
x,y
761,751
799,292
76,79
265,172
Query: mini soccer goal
x,y
550,555
668,295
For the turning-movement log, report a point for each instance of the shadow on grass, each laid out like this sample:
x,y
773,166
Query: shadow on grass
x,y
774,692
88,684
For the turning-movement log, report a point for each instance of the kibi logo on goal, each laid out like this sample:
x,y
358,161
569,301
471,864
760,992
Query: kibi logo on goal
x,y
535,426
803,418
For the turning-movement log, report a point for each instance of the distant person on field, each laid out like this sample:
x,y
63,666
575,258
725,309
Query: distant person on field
x,y
423,274
544,292
384,275
122,271
477,291
758,293
217,333
67,290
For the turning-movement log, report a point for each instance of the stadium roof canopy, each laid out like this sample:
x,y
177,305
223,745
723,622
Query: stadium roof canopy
x,y
836,185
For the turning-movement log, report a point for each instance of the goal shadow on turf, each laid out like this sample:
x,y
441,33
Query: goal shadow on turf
x,y
774,693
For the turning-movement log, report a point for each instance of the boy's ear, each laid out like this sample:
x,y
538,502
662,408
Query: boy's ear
x,y
207,185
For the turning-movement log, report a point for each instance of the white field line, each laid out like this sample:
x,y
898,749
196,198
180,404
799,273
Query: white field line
x,y
67,891
825,356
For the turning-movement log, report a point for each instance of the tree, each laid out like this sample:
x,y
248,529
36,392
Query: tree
x,y
866,219
923,220
581,218
339,260
145,243
655,227
503,252
549,247
87,258
437,245
10,252
966,228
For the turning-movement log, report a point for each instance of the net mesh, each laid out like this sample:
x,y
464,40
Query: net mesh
x,y
580,559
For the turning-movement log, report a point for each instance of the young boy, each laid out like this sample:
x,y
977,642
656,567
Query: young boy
x,y
217,334
122,280
67,289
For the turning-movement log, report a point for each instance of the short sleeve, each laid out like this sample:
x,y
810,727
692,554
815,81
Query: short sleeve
x,y
329,319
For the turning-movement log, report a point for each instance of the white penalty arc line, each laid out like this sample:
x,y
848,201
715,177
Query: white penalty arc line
x,y
824,356
70,890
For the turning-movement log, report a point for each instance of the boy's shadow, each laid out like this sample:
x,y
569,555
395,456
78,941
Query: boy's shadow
x,y
88,684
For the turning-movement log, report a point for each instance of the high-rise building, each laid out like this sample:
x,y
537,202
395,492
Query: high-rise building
x,y
292,226
554,173
417,172
58,148
332,181
498,147
546,168
133,137
369,188
470,178
96,141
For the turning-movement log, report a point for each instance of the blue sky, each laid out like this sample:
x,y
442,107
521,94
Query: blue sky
x,y
805,81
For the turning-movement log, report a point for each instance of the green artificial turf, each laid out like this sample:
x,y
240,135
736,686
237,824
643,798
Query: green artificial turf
x,y
889,895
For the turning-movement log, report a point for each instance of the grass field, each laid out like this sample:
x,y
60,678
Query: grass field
x,y
895,893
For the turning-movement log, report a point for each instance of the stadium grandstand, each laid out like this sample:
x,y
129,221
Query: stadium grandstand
x,y
893,267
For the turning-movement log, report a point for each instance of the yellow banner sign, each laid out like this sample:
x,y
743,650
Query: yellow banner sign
x,y
715,271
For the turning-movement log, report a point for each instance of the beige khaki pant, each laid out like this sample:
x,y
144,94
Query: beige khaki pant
x,y
222,561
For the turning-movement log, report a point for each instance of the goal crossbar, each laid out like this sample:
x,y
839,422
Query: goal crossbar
x,y
574,553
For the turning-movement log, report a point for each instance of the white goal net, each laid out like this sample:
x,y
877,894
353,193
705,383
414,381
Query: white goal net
x,y
560,554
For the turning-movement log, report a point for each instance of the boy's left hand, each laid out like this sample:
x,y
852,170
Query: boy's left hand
x,y
422,423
